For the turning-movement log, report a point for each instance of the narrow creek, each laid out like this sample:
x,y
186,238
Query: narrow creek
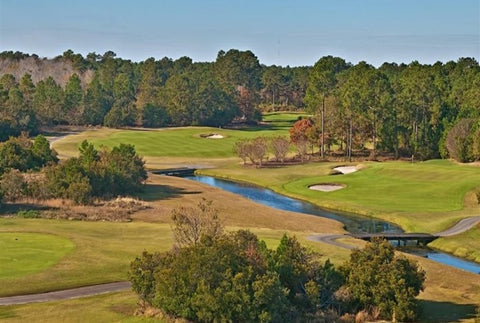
x,y
353,223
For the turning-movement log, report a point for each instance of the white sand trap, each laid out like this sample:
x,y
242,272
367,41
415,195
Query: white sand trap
x,y
326,187
215,136
346,169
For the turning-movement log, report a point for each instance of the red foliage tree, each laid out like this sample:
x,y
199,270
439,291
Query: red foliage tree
x,y
298,132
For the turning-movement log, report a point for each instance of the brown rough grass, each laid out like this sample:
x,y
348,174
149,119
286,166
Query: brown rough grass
x,y
164,193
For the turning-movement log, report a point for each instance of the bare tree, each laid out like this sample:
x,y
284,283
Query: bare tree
x,y
280,147
302,148
254,149
241,149
191,224
259,149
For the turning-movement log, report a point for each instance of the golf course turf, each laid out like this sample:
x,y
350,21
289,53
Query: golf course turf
x,y
422,196
25,253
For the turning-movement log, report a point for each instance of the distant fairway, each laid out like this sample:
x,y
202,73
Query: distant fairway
x,y
283,119
169,142
22,253
185,142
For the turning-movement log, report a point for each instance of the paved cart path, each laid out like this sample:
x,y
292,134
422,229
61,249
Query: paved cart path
x,y
66,294
460,227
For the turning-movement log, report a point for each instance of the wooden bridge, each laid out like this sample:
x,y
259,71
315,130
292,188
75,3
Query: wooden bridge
x,y
180,172
419,238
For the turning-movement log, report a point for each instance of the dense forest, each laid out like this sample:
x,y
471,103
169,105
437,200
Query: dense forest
x,y
400,109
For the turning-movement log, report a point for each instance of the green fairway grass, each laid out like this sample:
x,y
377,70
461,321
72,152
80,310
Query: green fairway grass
x,y
112,307
102,253
427,196
421,197
465,245
28,253
170,142
283,119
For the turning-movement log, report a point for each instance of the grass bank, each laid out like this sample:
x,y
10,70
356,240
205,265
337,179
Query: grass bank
x,y
421,197
103,252
465,245
424,197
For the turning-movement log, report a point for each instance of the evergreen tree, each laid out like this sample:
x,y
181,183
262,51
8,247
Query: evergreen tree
x,y
73,104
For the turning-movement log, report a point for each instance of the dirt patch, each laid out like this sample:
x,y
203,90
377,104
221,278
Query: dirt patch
x,y
326,187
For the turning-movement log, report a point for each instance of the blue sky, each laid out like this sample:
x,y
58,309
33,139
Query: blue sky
x,y
279,32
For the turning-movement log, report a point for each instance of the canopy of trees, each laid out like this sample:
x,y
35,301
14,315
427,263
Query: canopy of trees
x,y
212,276
95,173
21,153
400,109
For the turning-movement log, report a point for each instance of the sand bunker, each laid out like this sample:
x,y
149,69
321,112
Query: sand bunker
x,y
215,136
326,187
346,169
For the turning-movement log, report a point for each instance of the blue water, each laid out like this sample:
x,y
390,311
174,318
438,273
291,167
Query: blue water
x,y
454,261
353,223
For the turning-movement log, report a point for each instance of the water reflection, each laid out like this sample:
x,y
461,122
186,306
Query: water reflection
x,y
353,223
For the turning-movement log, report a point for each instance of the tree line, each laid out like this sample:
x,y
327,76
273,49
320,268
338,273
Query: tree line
x,y
152,93
401,109
213,276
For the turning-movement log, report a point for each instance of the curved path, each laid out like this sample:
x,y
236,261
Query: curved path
x,y
332,240
462,226
65,294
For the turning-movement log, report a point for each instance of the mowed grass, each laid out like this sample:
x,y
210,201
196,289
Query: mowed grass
x,y
23,254
464,245
103,250
113,307
283,119
427,196
168,142
102,253
451,295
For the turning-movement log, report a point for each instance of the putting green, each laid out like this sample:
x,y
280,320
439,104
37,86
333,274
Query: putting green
x,y
22,254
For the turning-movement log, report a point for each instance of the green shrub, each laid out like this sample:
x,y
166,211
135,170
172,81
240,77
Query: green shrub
x,y
30,214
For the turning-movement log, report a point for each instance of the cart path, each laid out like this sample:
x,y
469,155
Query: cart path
x,y
332,240
462,226
66,294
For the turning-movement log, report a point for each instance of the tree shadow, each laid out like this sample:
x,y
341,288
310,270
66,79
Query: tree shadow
x,y
154,192
264,127
13,208
432,311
